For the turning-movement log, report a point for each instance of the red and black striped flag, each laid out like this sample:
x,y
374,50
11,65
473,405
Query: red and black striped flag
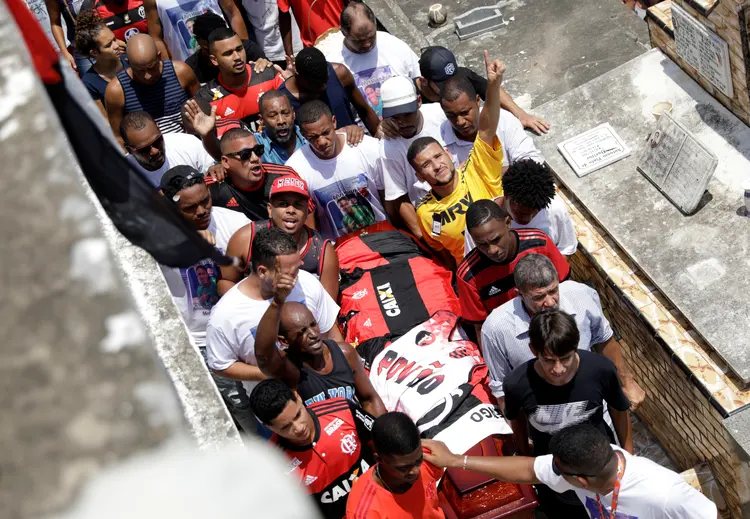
x,y
138,211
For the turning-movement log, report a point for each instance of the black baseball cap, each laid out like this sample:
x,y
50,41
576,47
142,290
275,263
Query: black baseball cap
x,y
437,64
174,179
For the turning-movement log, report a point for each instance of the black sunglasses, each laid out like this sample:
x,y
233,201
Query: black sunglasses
x,y
243,155
158,143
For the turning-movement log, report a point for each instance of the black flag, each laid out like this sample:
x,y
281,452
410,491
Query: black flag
x,y
138,211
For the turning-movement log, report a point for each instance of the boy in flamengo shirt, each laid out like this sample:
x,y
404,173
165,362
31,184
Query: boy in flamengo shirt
x,y
326,442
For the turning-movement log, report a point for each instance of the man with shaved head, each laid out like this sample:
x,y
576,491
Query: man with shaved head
x,y
372,56
317,369
158,87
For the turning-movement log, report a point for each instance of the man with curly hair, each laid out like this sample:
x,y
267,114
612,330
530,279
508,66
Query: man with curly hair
x,y
529,198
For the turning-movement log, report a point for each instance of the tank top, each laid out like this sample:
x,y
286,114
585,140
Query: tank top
x,y
126,19
334,96
339,383
311,258
163,100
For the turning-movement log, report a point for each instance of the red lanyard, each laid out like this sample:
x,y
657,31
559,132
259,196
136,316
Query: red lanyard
x,y
616,491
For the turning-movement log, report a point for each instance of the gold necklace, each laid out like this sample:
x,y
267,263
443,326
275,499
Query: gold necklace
x,y
377,469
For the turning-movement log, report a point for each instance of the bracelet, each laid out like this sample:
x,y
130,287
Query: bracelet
x,y
466,458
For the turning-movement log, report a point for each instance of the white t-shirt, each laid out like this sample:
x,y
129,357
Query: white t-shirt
x,y
177,18
554,220
647,491
230,336
194,289
180,149
344,188
517,145
389,57
399,176
264,17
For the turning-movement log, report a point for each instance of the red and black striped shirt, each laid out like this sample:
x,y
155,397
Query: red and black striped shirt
x,y
483,284
338,455
240,104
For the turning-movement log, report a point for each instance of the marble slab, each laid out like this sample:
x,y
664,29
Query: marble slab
x,y
701,263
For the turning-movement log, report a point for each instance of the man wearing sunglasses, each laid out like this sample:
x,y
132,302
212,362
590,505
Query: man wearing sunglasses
x,y
248,180
609,481
153,153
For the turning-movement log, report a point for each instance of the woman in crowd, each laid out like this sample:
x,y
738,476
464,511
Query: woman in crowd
x,y
96,40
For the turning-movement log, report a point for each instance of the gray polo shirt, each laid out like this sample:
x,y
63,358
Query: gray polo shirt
x,y
505,333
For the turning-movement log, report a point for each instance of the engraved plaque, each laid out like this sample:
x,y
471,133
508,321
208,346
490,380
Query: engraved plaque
x,y
593,149
702,49
678,164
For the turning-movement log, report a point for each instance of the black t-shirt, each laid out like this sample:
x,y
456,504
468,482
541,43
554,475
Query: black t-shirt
x,y
253,203
204,69
551,408
480,83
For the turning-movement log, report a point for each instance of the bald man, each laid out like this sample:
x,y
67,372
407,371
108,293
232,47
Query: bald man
x,y
317,369
158,87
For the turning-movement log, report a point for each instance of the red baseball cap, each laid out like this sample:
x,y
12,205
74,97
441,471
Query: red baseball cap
x,y
289,184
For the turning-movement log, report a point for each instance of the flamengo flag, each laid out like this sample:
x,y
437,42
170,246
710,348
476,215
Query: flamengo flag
x,y
138,211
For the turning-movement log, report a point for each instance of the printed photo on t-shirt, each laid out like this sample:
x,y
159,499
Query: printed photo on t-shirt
x,y
201,281
596,513
369,81
348,204
182,18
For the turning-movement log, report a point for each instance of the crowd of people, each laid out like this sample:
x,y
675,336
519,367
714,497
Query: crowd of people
x,y
275,151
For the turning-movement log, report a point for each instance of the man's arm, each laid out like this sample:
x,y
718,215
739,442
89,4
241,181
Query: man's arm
x,y
490,114
187,78
234,17
329,277
521,434
513,469
115,105
401,211
55,24
365,111
533,123
241,371
204,125
270,360
366,394
285,28
496,358
623,428
236,248
613,351
334,334
154,28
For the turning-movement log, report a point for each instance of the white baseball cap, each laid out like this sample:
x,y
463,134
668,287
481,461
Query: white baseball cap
x,y
399,96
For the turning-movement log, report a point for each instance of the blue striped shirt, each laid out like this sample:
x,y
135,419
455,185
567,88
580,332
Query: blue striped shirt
x,y
163,100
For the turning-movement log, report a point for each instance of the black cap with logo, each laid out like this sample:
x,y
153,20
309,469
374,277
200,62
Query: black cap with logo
x,y
437,64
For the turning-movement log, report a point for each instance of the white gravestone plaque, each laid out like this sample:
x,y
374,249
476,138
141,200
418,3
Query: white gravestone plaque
x,y
593,149
678,164
703,50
